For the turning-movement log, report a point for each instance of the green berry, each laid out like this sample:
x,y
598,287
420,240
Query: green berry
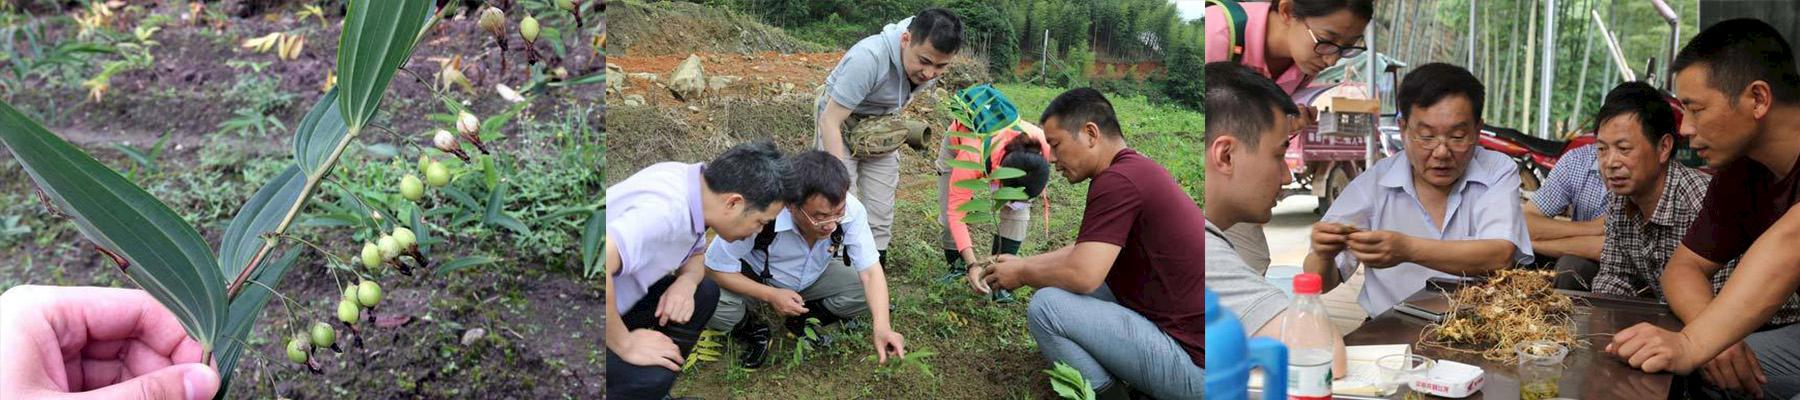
x,y
528,29
348,311
389,247
349,292
424,161
412,188
566,5
437,175
296,349
371,256
405,237
323,335
369,294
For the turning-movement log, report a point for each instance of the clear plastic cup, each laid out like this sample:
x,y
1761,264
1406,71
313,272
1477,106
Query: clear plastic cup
x,y
1540,368
1399,370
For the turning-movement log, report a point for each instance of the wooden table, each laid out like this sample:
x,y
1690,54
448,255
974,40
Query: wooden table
x,y
1589,372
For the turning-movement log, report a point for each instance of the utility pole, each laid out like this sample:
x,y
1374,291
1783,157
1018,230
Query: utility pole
x,y
1549,78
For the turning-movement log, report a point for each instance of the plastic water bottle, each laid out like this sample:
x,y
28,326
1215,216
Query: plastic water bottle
x,y
1230,355
1309,336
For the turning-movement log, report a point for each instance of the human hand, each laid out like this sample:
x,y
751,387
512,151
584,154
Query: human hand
x,y
1005,274
677,303
1380,249
1737,370
1329,239
1653,349
647,347
886,340
786,302
97,343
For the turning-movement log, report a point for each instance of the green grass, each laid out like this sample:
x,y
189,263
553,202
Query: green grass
x,y
983,350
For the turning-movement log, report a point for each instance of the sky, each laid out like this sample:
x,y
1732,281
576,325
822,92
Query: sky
x,y
1190,9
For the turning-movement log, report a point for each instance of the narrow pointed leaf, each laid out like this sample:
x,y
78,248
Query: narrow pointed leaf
x,y
496,215
260,215
966,135
1007,173
464,263
975,206
319,132
378,38
590,239
162,253
243,313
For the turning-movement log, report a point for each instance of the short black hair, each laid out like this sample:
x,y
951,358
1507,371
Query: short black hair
x,y
1364,9
753,170
1027,154
1431,83
1644,101
1079,106
1242,103
1742,51
942,27
817,173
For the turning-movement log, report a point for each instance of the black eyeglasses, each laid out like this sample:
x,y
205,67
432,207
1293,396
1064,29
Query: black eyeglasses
x,y
1326,48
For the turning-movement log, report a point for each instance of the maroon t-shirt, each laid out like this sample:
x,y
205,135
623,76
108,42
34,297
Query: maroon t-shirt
x,y
1744,201
1137,206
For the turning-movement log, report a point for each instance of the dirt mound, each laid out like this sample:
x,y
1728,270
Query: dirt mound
x,y
662,28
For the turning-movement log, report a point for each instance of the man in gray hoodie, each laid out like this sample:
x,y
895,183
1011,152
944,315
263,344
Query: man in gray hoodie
x,y
863,96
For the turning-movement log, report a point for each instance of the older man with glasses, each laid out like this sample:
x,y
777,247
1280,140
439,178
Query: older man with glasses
x,y
1446,208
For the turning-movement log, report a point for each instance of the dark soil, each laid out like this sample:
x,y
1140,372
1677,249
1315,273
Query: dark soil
x,y
541,328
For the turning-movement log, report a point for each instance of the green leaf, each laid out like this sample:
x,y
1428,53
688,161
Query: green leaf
x,y
421,231
319,132
590,240
965,148
378,38
162,253
976,206
1068,383
976,185
597,77
497,217
243,313
461,198
979,218
965,135
966,165
464,263
1007,173
260,215
1011,194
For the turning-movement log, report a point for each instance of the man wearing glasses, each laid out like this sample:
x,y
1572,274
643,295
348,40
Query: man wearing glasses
x,y
816,261
1446,208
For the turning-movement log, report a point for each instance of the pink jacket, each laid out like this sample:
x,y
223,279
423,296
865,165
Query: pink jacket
x,y
959,231
1218,47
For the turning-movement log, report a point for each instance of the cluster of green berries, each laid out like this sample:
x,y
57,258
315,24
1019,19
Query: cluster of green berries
x,y
356,297
388,248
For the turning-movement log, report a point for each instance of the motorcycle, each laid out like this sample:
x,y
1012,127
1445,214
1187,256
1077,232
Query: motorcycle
x,y
1535,156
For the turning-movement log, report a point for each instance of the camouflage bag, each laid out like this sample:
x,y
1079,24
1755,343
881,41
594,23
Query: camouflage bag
x,y
867,135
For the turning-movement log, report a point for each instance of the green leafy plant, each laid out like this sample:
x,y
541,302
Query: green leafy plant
x,y
1068,383
803,344
144,159
218,296
914,360
983,112
708,349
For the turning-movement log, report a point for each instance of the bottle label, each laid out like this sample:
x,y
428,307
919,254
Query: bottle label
x,y
1312,382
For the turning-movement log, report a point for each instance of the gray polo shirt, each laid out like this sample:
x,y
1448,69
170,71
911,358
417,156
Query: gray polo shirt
x,y
871,79
1246,293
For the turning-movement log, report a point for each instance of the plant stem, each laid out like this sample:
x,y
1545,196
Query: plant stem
x,y
312,182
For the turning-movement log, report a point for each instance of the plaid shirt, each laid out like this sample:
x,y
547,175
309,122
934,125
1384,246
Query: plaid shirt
x,y
1635,251
1574,185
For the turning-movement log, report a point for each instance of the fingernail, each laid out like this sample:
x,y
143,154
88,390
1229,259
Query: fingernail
x,y
200,382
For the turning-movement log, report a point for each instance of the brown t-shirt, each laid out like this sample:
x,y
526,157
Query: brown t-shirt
x,y
1744,201
1136,205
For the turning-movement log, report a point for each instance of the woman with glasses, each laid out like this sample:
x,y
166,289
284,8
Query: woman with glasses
x,y
1288,41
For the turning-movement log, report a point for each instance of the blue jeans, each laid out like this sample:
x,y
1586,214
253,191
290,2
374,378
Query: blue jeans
x,y
1106,341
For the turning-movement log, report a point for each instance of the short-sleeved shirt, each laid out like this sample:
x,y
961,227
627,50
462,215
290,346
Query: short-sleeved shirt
x,y
871,78
1135,204
1483,205
797,265
1744,200
1632,260
654,219
1575,186
1218,45
1240,288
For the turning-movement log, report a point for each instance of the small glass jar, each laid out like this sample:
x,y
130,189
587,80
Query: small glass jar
x,y
1399,370
1540,368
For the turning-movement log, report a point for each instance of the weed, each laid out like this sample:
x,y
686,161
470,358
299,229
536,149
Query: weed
x,y
1069,383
